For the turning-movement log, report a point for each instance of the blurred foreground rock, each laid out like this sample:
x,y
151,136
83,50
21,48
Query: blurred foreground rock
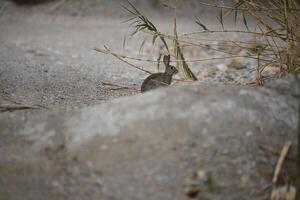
x,y
201,141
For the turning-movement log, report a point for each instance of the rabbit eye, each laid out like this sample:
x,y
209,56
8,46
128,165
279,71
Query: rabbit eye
x,y
172,67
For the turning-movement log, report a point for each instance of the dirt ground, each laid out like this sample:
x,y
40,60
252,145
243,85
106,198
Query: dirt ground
x,y
47,57
141,146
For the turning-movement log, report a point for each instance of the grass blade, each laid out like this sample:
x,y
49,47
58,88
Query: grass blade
x,y
235,16
220,18
154,39
124,40
200,24
164,42
245,21
142,45
178,53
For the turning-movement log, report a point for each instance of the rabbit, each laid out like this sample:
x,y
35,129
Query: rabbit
x,y
160,79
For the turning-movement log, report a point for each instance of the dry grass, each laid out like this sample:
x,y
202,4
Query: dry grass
x,y
277,30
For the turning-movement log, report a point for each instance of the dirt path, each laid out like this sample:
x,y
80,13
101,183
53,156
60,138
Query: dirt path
x,y
51,62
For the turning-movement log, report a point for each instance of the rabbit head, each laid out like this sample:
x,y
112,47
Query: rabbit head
x,y
170,70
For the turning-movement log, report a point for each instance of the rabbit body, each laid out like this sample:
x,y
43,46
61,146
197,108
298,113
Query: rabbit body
x,y
160,79
156,80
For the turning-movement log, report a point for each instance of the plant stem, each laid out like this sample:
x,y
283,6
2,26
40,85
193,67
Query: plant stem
x,y
178,52
232,31
244,9
108,51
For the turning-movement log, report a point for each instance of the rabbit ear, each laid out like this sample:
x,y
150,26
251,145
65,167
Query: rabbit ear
x,y
167,60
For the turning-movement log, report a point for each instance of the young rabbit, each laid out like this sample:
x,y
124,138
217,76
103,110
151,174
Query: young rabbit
x,y
160,79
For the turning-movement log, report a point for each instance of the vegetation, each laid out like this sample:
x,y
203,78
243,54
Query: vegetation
x,y
275,44
141,23
278,24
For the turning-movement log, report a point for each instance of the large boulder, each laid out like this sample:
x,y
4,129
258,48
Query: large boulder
x,y
204,141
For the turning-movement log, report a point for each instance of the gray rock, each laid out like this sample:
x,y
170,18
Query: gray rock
x,y
152,145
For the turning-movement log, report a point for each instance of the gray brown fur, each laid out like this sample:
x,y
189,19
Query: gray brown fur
x,y
160,79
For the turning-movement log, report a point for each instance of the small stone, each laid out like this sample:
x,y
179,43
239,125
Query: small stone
x,y
202,176
98,182
222,67
191,191
199,160
244,181
191,186
225,151
237,63
90,164
249,133
55,183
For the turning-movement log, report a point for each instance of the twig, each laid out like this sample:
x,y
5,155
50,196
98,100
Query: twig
x,y
13,107
273,151
283,154
118,87
108,51
195,60
245,9
121,88
205,46
279,164
232,31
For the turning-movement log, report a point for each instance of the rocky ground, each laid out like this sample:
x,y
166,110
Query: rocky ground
x,y
213,139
